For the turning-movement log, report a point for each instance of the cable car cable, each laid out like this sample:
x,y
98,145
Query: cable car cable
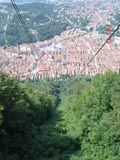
x,y
21,20
100,48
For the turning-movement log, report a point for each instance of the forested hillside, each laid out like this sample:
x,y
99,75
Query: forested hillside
x,y
41,20
68,118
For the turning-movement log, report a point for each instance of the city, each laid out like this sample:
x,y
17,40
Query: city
x,y
70,51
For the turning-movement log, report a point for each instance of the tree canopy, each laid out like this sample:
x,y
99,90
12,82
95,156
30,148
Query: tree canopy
x,y
67,118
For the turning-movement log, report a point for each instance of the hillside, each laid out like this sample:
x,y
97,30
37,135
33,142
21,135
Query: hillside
x,y
40,19
68,118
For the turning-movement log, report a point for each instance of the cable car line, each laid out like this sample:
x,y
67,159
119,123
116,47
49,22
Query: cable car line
x,y
21,20
100,48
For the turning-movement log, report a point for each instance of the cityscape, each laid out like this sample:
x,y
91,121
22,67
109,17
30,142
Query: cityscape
x,y
64,54
68,52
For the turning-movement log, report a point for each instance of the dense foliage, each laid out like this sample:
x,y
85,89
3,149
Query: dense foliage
x,y
92,115
21,116
28,127
68,118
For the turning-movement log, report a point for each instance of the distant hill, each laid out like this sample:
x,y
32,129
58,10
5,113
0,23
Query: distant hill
x,y
41,20
30,1
27,1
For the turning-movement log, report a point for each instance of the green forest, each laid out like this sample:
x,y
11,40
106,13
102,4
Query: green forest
x,y
67,118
